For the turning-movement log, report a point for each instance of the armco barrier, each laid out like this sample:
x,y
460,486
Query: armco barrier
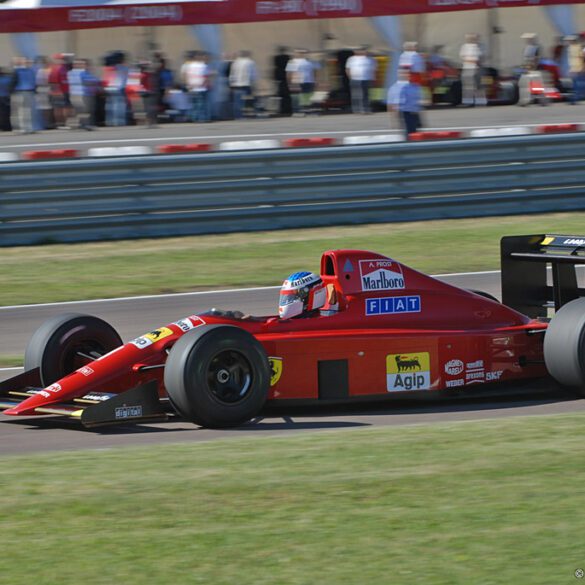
x,y
164,195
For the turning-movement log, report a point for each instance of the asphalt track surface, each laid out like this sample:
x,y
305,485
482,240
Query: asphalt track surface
x,y
334,125
134,316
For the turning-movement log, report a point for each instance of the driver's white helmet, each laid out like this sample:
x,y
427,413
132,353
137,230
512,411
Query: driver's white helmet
x,y
301,292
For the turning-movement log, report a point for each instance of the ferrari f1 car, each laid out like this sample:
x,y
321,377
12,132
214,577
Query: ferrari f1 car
x,y
386,329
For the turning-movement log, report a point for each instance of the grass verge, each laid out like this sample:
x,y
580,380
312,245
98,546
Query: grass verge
x,y
110,269
491,502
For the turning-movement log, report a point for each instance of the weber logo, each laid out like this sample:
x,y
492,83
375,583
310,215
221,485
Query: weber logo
x,y
408,371
381,275
123,412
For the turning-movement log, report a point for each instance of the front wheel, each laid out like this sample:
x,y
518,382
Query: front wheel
x,y
564,346
217,376
64,343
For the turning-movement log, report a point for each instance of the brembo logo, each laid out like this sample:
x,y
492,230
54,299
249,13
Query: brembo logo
x,y
381,275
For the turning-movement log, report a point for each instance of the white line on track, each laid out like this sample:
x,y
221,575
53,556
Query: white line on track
x,y
10,369
195,293
199,138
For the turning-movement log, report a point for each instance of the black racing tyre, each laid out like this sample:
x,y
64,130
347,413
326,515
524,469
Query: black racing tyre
x,y
484,294
564,345
217,376
57,347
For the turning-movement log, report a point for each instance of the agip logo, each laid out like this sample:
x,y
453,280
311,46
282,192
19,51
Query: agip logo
x,y
408,371
381,274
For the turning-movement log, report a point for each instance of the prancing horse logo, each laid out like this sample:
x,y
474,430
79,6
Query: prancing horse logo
x,y
275,369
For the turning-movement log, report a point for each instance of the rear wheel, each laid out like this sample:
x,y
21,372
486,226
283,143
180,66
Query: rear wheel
x,y
67,342
564,346
217,376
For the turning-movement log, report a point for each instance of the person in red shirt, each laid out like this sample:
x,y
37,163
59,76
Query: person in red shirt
x,y
59,89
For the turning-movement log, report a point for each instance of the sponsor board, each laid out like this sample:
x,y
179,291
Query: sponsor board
x,y
381,274
408,371
454,367
275,369
393,305
122,412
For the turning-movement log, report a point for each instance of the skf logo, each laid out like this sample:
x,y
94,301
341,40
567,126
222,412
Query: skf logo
x,y
408,371
275,369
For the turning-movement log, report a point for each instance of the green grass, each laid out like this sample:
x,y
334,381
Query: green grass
x,y
482,503
111,269
8,361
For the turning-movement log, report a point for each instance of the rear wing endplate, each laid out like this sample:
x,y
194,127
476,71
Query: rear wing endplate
x,y
528,286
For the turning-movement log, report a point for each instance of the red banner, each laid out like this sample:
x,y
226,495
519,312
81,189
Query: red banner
x,y
231,11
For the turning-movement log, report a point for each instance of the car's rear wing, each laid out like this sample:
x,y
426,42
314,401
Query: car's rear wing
x,y
527,283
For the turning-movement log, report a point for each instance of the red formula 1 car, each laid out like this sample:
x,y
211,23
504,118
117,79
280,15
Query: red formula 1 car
x,y
387,329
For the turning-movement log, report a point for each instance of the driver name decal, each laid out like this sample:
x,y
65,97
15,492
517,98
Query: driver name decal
x,y
381,274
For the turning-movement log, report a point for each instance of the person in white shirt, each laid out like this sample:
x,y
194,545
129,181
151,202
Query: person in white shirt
x,y
196,77
471,56
361,71
243,76
411,59
301,80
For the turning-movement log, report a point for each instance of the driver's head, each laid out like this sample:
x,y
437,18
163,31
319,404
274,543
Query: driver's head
x,y
301,292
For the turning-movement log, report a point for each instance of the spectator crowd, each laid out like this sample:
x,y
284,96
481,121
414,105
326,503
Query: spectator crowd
x,y
69,92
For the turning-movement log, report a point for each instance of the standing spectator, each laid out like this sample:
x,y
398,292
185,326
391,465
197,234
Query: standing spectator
x,y
243,76
281,60
532,51
393,98
471,57
5,89
165,79
43,95
59,89
149,83
412,60
23,109
224,92
575,53
409,104
195,73
361,71
301,80
115,78
76,81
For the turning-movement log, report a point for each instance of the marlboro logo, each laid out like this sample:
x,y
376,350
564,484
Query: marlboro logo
x,y
381,275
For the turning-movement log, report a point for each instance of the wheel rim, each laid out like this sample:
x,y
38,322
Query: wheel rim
x,y
229,377
80,354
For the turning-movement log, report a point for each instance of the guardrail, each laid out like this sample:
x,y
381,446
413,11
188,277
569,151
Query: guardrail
x,y
202,193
